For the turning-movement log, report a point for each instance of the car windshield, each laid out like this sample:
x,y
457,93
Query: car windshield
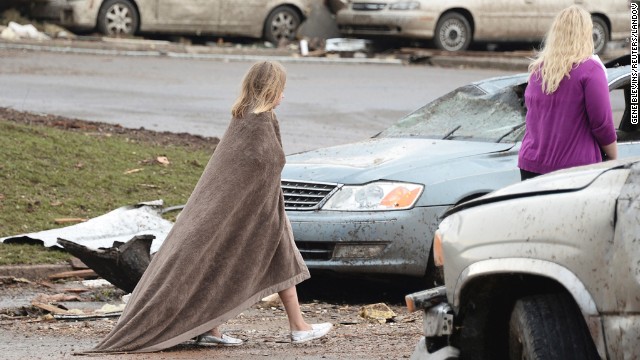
x,y
467,113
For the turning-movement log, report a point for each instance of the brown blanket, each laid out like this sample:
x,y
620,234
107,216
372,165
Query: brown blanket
x,y
231,246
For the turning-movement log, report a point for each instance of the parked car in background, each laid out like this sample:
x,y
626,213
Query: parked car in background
x,y
372,207
454,24
544,269
269,19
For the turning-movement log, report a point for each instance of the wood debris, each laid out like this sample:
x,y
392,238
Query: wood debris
x,y
133,171
84,274
69,220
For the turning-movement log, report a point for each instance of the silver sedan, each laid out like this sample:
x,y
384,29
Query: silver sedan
x,y
272,20
372,207
454,24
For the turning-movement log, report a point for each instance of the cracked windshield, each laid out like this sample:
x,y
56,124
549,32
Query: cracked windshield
x,y
467,114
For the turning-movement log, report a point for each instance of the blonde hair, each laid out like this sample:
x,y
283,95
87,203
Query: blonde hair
x,y
262,87
568,43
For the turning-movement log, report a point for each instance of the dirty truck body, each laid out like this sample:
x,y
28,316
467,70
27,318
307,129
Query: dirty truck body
x,y
552,261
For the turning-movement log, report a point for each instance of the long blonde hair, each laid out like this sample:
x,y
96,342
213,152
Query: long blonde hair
x,y
568,43
262,87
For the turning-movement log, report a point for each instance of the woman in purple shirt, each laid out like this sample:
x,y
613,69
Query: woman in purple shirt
x,y
569,119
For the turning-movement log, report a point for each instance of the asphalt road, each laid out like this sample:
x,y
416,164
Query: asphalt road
x,y
324,105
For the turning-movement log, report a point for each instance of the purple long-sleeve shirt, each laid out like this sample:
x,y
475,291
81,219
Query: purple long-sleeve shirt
x,y
567,128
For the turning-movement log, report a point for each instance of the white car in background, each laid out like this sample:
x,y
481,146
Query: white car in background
x,y
454,24
271,20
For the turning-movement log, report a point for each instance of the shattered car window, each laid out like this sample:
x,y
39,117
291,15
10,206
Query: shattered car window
x,y
467,113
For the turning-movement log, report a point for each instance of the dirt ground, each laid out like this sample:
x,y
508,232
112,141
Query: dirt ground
x,y
28,332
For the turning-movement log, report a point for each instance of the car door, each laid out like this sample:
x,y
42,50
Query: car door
x,y
243,17
196,16
628,132
547,11
505,20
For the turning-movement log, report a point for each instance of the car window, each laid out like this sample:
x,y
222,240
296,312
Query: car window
x,y
467,113
617,105
620,96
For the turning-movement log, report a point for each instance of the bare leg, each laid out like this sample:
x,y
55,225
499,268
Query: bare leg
x,y
289,299
215,332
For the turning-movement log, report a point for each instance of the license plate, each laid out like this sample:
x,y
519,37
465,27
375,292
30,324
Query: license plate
x,y
362,19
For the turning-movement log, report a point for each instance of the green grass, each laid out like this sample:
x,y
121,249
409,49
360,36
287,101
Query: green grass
x,y
24,254
48,173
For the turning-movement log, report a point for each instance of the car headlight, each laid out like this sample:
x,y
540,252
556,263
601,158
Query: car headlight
x,y
405,5
379,195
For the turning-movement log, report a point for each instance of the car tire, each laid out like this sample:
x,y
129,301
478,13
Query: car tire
x,y
600,35
118,18
282,23
549,326
452,32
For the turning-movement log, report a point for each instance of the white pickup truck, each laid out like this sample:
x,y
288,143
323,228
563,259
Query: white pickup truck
x,y
545,269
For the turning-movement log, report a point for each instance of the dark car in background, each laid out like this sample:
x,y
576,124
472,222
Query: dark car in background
x,y
271,20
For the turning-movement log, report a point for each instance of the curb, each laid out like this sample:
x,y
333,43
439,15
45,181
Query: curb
x,y
223,55
509,61
153,48
499,63
33,272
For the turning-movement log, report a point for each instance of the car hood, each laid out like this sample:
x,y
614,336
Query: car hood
x,y
559,181
381,158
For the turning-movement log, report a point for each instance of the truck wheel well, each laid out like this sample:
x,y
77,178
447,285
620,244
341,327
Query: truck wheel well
x,y
485,308
469,197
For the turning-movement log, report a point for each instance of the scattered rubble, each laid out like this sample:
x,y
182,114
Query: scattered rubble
x,y
379,312
57,328
15,31
108,230
122,264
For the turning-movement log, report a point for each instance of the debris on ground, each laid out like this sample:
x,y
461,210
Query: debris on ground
x,y
272,300
45,298
379,312
83,274
122,264
74,326
106,231
15,31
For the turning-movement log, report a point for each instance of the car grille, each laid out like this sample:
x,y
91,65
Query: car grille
x,y
315,250
300,195
363,6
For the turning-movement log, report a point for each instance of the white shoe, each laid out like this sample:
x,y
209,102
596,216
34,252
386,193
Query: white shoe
x,y
317,331
210,340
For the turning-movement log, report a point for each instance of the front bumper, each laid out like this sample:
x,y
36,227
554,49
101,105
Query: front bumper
x,y
412,24
445,353
376,242
75,14
437,325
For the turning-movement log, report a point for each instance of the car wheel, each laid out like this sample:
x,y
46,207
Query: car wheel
x,y
600,35
117,18
453,32
282,23
549,326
